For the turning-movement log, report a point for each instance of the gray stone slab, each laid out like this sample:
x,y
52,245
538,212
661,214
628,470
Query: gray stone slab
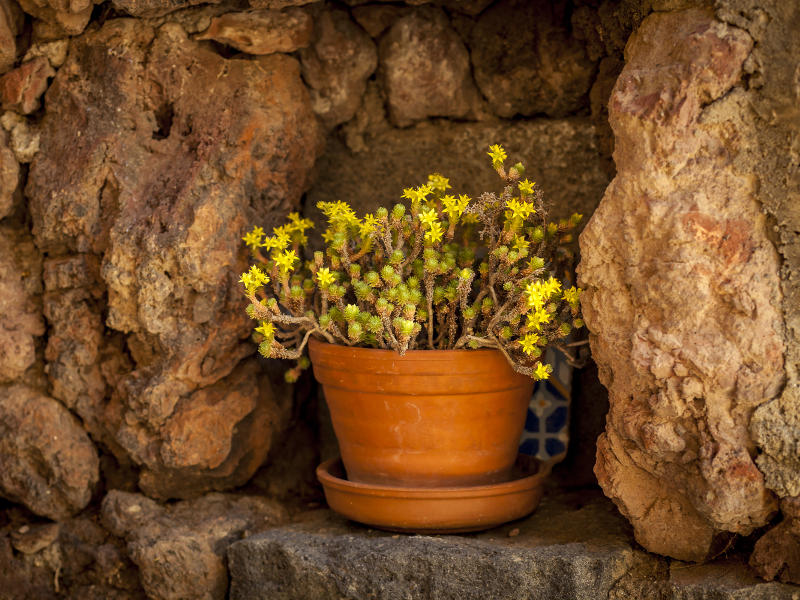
x,y
575,546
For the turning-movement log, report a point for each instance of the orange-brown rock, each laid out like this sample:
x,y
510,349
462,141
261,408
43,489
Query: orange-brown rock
x,y
67,17
9,176
337,65
10,24
47,462
21,88
262,31
526,61
682,292
20,303
149,172
426,70
776,554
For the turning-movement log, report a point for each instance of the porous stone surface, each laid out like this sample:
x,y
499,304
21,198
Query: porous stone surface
x,y
682,292
262,31
47,461
526,62
402,158
21,88
65,17
180,549
10,24
9,176
574,546
21,319
425,69
156,8
337,65
774,100
22,136
776,555
149,172
72,558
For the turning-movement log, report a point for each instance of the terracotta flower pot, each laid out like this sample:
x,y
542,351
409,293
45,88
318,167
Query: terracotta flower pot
x,y
431,418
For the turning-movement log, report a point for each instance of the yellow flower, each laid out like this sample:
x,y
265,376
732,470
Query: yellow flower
x,y
453,207
253,239
542,371
325,277
573,296
520,243
529,342
498,155
438,183
285,261
266,329
296,223
538,318
327,236
254,279
428,217
434,234
526,187
369,225
520,210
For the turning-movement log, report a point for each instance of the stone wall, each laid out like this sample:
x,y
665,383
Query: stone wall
x,y
139,139
690,268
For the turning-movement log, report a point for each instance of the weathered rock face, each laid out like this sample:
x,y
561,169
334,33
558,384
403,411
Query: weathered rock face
x,y
336,67
527,63
405,157
65,17
147,175
47,461
426,71
74,558
9,28
9,176
777,554
21,88
262,31
20,303
180,550
156,8
682,292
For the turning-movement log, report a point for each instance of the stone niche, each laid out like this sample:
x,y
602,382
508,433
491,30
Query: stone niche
x,y
146,451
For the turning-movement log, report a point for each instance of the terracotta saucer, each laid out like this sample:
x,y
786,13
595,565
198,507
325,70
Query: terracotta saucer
x,y
434,510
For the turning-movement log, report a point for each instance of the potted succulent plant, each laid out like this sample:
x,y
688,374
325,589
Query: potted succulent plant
x,y
425,323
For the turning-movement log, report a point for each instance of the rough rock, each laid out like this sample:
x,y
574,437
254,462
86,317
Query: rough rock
x,y
74,558
776,555
55,52
574,546
681,292
21,88
401,158
180,549
152,167
337,65
47,461
774,98
425,70
526,62
20,302
69,17
23,136
262,31
279,4
377,18
10,24
9,176
156,8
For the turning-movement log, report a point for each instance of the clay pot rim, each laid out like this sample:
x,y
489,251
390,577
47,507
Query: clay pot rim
x,y
515,486
422,355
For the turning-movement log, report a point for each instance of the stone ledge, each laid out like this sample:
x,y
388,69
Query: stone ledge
x,y
575,546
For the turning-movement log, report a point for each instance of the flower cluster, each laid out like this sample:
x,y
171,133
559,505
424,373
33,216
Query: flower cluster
x,y
440,272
